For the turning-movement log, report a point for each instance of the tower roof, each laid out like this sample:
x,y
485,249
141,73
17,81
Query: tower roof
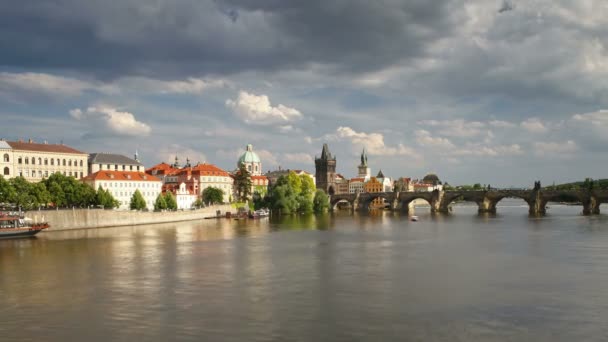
x,y
380,174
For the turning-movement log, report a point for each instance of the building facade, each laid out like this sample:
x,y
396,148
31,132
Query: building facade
x,y
325,171
34,161
123,184
113,162
185,198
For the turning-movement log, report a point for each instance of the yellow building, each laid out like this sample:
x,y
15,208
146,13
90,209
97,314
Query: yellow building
x,y
373,186
35,161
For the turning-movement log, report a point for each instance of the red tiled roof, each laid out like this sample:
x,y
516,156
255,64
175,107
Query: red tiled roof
x,y
259,177
357,179
31,146
206,170
160,167
121,176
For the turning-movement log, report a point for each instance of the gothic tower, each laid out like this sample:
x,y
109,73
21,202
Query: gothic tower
x,y
325,171
364,171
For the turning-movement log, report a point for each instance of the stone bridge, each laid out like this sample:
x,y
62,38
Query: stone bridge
x,y
486,200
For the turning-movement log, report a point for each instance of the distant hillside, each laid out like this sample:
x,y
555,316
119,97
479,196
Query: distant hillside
x,y
586,184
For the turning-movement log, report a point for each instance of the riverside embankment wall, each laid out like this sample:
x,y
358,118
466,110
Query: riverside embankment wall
x,y
97,218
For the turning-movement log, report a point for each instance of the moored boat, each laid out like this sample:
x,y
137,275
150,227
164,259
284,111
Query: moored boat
x,y
15,226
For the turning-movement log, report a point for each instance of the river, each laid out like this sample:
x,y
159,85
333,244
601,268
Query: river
x,y
340,277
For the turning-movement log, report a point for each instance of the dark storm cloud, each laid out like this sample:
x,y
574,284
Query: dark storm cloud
x,y
173,39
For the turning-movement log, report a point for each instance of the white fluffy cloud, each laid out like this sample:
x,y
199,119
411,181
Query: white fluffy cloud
x,y
425,139
113,120
257,110
534,125
373,142
599,118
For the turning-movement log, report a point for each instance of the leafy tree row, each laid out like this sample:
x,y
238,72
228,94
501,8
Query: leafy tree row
x,y
57,191
293,194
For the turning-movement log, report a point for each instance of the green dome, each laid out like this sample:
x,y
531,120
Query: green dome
x,y
249,156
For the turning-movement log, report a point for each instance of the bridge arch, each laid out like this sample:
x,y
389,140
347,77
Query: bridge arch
x,y
334,204
366,201
405,200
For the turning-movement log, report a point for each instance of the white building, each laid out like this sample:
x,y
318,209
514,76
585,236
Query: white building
x,y
387,183
123,184
184,198
113,162
35,161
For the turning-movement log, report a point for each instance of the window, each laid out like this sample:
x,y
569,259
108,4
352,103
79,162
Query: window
x,y
69,163
39,161
46,161
64,162
81,174
7,172
131,168
52,161
6,158
115,166
39,173
248,167
124,167
81,163
46,173
27,160
33,161
19,160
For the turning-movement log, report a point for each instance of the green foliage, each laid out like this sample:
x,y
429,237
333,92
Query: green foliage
x,y
213,195
242,183
198,203
66,191
320,202
160,203
290,194
137,201
105,199
170,201
7,192
22,195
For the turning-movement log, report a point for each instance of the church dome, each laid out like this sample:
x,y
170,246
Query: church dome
x,y
249,156
431,178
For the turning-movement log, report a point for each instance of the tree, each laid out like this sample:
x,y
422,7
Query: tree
x,y
105,199
242,183
198,203
66,191
160,203
22,195
7,192
213,195
306,195
170,201
321,202
137,201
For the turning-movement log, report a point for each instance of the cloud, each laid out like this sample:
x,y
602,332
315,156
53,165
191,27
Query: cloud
x,y
424,138
167,154
373,142
27,84
257,110
176,39
489,151
501,124
534,125
300,158
555,149
599,118
113,120
457,128
145,85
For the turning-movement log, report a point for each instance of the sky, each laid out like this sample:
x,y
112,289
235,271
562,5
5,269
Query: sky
x,y
477,91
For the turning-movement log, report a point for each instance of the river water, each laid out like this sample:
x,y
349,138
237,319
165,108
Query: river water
x,y
341,277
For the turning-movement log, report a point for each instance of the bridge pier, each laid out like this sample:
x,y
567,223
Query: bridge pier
x,y
591,206
538,205
487,205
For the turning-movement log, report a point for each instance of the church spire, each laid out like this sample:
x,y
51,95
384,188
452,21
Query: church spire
x,y
325,155
363,158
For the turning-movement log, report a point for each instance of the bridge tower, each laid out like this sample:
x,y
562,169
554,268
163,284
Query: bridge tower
x,y
325,171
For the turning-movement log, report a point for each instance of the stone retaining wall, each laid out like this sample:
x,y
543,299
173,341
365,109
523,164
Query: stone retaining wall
x,y
97,218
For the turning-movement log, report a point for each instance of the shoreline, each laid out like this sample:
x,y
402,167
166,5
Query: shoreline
x,y
70,219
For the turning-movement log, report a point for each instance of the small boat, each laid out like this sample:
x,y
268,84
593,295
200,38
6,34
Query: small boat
x,y
414,218
260,213
14,225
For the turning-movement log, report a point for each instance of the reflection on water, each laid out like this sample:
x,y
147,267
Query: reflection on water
x,y
341,277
